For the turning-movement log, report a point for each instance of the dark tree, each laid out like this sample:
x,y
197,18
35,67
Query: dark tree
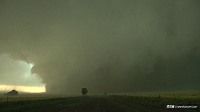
x,y
84,91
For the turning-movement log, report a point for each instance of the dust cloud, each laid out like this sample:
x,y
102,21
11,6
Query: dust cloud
x,y
112,45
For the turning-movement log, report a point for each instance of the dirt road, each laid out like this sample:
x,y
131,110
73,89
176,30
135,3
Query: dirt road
x,y
95,104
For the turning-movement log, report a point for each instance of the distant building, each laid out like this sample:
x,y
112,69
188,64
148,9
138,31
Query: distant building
x,y
12,93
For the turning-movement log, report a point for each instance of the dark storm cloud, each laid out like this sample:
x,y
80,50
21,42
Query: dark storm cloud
x,y
118,45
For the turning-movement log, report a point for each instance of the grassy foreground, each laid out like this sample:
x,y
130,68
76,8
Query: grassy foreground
x,y
110,103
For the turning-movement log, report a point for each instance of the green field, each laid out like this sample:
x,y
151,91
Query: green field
x,y
134,102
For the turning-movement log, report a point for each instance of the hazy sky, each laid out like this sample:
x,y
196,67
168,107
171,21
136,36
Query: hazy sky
x,y
15,72
113,45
